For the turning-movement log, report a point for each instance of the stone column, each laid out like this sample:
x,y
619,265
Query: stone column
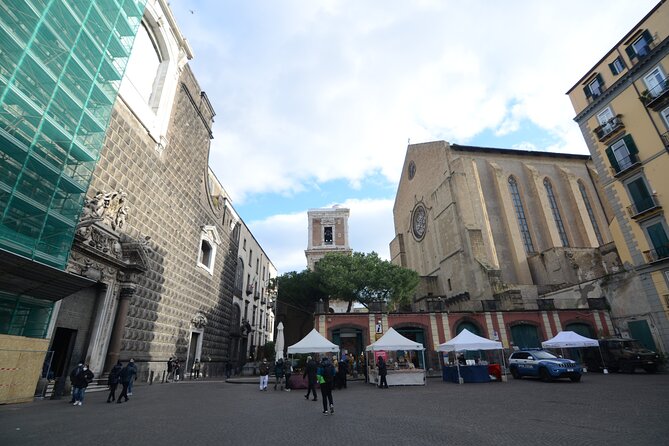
x,y
127,291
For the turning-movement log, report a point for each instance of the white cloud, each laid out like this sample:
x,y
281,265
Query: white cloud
x,y
308,92
370,229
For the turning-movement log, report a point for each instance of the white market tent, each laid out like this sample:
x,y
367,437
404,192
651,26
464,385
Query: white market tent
x,y
392,340
313,342
466,340
570,339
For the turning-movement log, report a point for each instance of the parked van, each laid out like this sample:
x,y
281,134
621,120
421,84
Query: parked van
x,y
621,354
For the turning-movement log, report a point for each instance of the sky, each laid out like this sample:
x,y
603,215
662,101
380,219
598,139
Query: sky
x,y
316,100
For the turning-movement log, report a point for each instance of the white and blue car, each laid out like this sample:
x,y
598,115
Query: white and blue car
x,y
543,365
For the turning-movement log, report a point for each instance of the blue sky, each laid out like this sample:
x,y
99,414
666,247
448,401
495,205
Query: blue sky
x,y
316,99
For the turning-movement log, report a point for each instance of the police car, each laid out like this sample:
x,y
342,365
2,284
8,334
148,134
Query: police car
x,y
541,364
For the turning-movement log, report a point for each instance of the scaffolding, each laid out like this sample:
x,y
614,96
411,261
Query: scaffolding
x,y
61,65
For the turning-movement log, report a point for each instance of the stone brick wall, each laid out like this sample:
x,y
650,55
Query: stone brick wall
x,y
169,204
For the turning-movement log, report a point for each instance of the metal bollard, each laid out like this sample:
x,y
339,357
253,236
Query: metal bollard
x,y
151,378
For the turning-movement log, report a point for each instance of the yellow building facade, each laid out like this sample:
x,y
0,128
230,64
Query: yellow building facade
x,y
622,109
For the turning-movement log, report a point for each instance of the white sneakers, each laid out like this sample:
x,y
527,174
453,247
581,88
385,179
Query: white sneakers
x,y
77,403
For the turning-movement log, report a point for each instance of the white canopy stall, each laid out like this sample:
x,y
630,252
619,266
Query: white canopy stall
x,y
313,342
466,340
570,339
392,341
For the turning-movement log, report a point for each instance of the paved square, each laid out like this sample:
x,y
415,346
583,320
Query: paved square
x,y
615,409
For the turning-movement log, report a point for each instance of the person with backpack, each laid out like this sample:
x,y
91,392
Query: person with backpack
x,y
80,383
325,377
264,374
114,379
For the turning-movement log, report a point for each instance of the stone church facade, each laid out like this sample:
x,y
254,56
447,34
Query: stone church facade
x,y
157,236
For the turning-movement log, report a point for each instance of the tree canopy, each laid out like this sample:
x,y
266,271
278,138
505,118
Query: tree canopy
x,y
360,277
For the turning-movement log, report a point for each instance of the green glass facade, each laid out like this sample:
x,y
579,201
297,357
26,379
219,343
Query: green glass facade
x,y
61,64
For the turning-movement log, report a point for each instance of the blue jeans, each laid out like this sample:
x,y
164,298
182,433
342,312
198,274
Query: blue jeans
x,y
130,385
78,393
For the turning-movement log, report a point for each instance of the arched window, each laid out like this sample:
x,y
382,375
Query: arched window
x,y
520,215
205,254
143,65
556,212
591,213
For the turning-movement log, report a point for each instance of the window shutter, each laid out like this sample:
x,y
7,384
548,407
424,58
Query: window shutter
x,y
612,67
600,80
630,52
612,159
631,147
588,93
647,37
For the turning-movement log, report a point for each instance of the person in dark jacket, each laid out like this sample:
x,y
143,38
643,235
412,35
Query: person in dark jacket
x,y
128,374
341,373
131,364
114,379
79,384
75,371
310,374
279,371
383,371
326,374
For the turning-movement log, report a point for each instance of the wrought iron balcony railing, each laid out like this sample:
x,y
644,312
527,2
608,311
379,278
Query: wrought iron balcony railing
x,y
656,97
657,254
610,128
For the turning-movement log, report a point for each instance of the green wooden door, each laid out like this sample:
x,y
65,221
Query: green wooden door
x,y
525,336
641,332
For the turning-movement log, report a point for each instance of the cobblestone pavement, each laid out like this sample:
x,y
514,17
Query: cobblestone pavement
x,y
615,409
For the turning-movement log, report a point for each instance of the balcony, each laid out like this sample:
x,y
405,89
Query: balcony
x,y
546,304
610,128
642,53
645,207
626,164
657,97
657,254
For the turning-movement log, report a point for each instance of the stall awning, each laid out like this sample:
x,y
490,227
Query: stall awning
x,y
25,277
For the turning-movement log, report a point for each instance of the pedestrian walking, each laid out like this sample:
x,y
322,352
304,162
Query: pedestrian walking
x,y
264,374
177,369
228,369
383,371
279,371
131,364
114,379
310,373
289,372
73,374
196,369
170,368
80,383
342,371
128,374
325,376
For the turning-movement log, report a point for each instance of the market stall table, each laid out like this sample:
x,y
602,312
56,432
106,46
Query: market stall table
x,y
468,373
407,377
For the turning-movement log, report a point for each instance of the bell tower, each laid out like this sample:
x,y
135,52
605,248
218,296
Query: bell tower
x,y
328,232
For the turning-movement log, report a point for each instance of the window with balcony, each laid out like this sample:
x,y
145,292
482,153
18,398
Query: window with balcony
x,y
656,96
617,66
640,47
609,124
520,215
658,241
556,212
642,199
594,88
622,154
591,213
665,136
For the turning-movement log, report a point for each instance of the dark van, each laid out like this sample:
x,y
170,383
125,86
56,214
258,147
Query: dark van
x,y
621,354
